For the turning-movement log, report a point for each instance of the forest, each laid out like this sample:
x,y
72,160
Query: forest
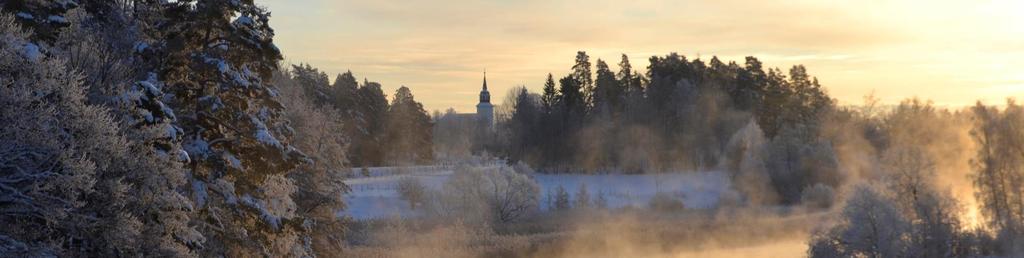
x,y
141,128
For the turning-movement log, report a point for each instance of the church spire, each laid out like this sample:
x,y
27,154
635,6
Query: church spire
x,y
485,96
484,109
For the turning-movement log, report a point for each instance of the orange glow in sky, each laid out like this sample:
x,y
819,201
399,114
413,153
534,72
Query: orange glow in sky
x,y
951,52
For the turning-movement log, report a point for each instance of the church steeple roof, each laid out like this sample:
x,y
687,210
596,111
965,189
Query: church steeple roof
x,y
485,96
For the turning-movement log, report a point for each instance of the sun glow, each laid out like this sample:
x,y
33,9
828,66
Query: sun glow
x,y
971,215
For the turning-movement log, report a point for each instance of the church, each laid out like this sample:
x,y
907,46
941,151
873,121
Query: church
x,y
459,136
484,109
483,119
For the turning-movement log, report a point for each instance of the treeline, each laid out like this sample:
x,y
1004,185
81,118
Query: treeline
x,y
678,115
381,133
151,128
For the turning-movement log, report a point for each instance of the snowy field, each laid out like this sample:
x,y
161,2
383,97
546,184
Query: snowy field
x,y
376,196
698,190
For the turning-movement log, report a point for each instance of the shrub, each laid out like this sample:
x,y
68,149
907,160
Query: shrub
x,y
601,201
818,196
663,201
561,199
871,226
582,197
795,161
494,194
412,191
522,168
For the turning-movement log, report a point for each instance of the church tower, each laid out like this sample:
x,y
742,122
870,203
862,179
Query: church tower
x,y
484,110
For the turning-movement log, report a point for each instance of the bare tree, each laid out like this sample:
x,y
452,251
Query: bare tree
x,y
317,134
909,173
870,226
501,193
999,170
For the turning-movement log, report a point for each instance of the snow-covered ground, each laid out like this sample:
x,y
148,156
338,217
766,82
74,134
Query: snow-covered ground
x,y
697,190
376,196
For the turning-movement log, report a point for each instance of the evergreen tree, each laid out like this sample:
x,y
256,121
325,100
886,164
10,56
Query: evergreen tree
x,y
798,101
668,77
750,85
368,149
408,137
313,81
608,93
582,197
43,17
571,98
629,81
550,95
582,74
561,199
218,57
523,125
601,202
549,123
776,99
343,93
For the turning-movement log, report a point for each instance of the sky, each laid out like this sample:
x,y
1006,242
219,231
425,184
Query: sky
x,y
951,52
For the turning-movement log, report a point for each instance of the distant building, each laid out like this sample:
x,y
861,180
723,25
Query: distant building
x,y
458,135
484,109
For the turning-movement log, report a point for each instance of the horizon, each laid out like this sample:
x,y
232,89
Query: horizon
x,y
952,53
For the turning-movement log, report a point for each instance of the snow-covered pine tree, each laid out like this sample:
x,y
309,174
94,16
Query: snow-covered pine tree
x,y
43,17
216,63
314,81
